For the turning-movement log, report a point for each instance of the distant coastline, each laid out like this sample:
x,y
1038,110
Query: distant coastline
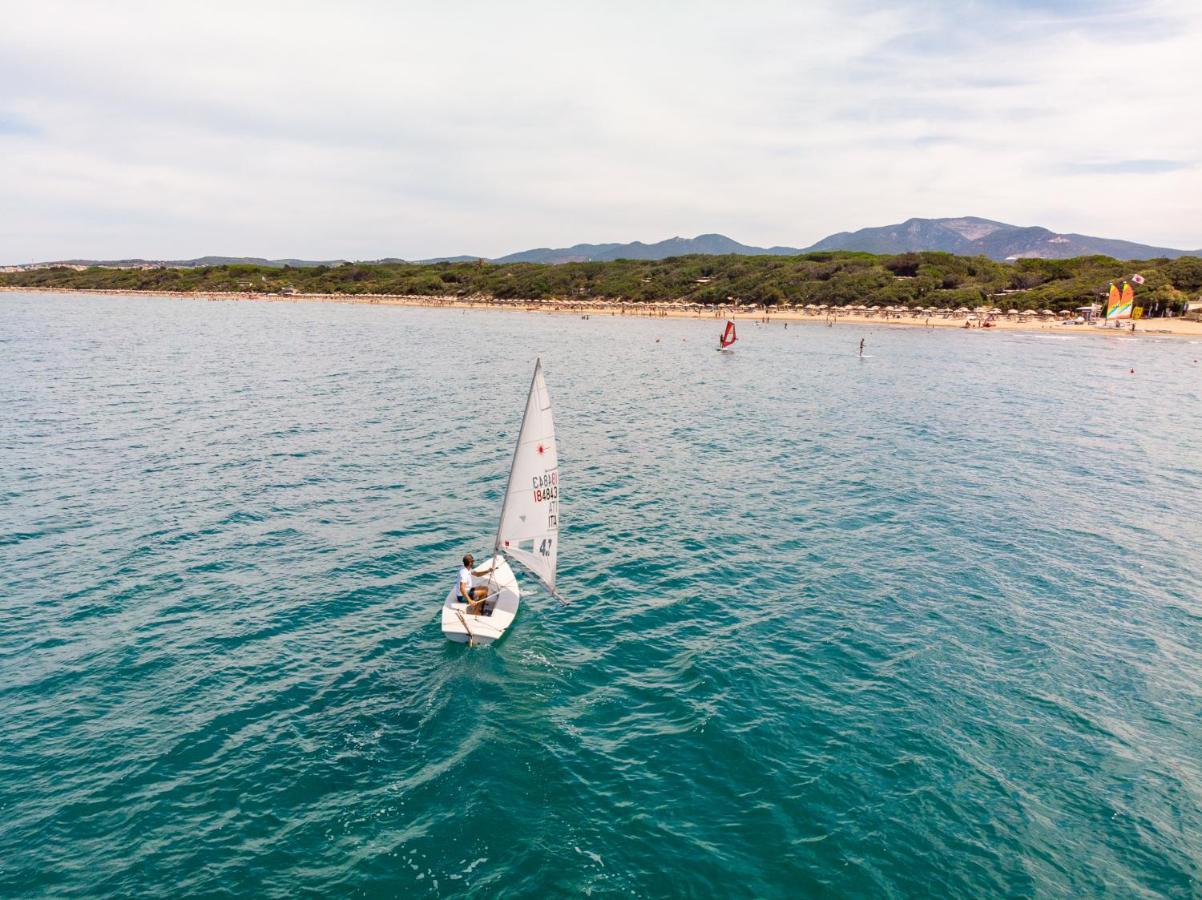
x,y
833,317
824,280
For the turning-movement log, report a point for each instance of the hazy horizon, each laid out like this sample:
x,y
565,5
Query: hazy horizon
x,y
362,130
411,258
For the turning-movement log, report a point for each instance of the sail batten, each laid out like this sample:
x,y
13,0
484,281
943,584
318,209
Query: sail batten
x,y
528,531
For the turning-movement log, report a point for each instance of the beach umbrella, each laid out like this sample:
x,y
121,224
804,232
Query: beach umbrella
x,y
1012,312
963,309
1046,312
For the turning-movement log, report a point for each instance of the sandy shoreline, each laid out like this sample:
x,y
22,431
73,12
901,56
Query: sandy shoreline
x,y
1151,327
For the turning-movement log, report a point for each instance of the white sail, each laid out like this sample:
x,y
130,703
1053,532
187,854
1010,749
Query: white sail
x,y
529,527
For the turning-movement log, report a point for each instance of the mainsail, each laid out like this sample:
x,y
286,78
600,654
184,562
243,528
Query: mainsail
x,y
728,336
1112,301
529,528
1119,304
1128,301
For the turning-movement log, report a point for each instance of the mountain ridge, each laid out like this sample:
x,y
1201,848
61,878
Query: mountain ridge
x,y
961,235
1000,241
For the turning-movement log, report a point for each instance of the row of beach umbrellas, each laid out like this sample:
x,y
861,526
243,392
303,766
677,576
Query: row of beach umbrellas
x,y
813,308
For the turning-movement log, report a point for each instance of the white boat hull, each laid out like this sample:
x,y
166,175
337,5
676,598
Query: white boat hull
x,y
500,610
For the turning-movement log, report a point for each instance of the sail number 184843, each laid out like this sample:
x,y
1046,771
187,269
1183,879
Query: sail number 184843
x,y
546,487
546,490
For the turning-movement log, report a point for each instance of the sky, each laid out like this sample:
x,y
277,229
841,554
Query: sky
x,y
361,130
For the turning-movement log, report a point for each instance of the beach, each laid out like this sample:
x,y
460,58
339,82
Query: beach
x,y
832,317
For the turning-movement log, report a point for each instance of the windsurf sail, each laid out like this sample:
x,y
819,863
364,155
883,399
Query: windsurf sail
x,y
1120,304
728,336
529,528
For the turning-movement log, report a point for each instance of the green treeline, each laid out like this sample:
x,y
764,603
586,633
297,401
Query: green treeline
x,y
835,279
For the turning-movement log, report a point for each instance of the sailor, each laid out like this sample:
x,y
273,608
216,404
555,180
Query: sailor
x,y
469,590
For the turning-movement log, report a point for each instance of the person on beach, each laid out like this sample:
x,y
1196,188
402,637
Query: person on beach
x,y
861,348
469,591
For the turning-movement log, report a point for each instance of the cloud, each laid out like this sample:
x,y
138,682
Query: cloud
x,y
1126,167
366,129
15,125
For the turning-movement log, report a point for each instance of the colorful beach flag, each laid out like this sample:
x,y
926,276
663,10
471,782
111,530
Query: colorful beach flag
x,y
1138,279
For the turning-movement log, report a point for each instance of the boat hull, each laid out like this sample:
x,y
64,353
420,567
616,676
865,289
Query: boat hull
x,y
480,630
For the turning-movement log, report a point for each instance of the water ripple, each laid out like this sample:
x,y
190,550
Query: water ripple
x,y
922,624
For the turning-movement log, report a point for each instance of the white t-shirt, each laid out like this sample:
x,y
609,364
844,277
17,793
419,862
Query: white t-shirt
x,y
465,577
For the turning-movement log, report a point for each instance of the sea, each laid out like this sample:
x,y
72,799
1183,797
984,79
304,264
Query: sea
x,y
925,623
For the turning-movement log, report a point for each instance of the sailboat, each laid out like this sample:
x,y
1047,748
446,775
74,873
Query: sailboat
x,y
1119,304
728,336
527,533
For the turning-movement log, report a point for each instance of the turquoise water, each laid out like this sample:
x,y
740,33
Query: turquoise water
x,y
923,624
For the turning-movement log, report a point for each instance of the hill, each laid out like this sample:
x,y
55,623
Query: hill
x,y
828,277
963,236
196,263
708,244
972,236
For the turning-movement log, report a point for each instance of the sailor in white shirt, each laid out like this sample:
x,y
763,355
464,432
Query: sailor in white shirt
x,y
470,590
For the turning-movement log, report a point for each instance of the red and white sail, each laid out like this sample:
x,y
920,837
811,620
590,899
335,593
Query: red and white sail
x,y
529,528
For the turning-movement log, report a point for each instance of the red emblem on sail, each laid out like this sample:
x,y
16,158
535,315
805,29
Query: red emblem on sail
x,y
540,449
